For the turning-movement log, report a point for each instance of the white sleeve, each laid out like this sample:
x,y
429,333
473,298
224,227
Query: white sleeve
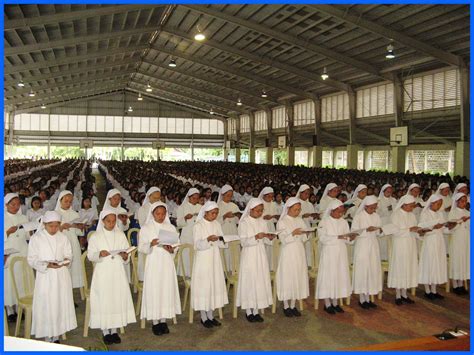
x,y
34,259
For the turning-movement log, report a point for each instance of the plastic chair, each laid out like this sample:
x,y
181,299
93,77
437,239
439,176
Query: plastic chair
x,y
129,234
137,284
87,315
275,259
232,271
25,301
180,264
6,332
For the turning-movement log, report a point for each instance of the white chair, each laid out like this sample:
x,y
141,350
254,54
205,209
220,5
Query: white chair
x,y
232,271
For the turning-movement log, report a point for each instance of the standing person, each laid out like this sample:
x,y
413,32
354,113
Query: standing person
x,y
329,194
433,267
309,215
14,237
160,299
444,190
292,272
111,302
72,231
112,200
459,248
36,211
359,194
367,270
333,280
53,304
386,206
403,259
186,218
152,195
254,290
270,215
208,288
415,191
228,216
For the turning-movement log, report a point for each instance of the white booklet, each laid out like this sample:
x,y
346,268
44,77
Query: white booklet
x,y
30,226
230,238
128,251
10,251
60,262
309,230
79,221
168,237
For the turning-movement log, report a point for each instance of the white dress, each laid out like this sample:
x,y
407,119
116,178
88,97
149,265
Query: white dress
x,y
270,209
403,259
433,267
16,241
292,272
72,234
33,215
385,208
367,269
160,287
333,279
53,304
459,247
308,207
186,227
111,302
229,225
208,288
254,289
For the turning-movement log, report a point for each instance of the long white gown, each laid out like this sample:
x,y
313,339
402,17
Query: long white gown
x,y
385,208
229,225
459,247
160,287
367,269
270,209
72,234
403,259
254,289
16,241
111,302
186,227
308,207
333,279
53,304
292,272
208,288
433,267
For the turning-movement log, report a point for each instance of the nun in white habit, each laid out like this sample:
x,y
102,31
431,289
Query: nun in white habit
x,y
309,215
385,207
270,215
254,290
415,191
329,194
333,279
367,269
111,302
160,287
292,272
53,304
72,231
208,288
359,194
14,238
186,218
459,247
403,259
462,187
112,200
444,190
152,195
433,266
228,216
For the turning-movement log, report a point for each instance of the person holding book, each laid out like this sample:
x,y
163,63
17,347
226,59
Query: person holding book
x,y
50,254
208,287
228,217
111,302
254,289
160,299
270,215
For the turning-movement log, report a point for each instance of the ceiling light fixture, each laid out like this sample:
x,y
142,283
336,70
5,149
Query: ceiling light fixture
x,y
239,102
199,36
130,109
211,112
21,84
390,53
148,88
264,93
172,63
32,93
324,75
140,98
43,106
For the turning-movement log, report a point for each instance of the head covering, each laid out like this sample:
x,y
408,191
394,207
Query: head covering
x,y
8,197
404,200
265,191
458,195
49,216
412,186
328,188
121,210
291,201
302,188
224,189
110,194
367,201
254,202
102,215
190,192
331,207
153,206
443,186
358,189
382,190
433,198
60,197
208,206
458,187
151,190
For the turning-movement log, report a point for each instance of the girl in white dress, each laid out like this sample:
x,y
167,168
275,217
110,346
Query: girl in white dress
x,y
292,272
386,206
270,215
228,217
309,215
254,290
111,302
359,194
208,288
459,248
333,280
35,211
186,217
160,299
367,269
433,267
53,304
152,195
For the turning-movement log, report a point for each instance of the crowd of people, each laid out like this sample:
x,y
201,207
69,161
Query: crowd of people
x,y
286,221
